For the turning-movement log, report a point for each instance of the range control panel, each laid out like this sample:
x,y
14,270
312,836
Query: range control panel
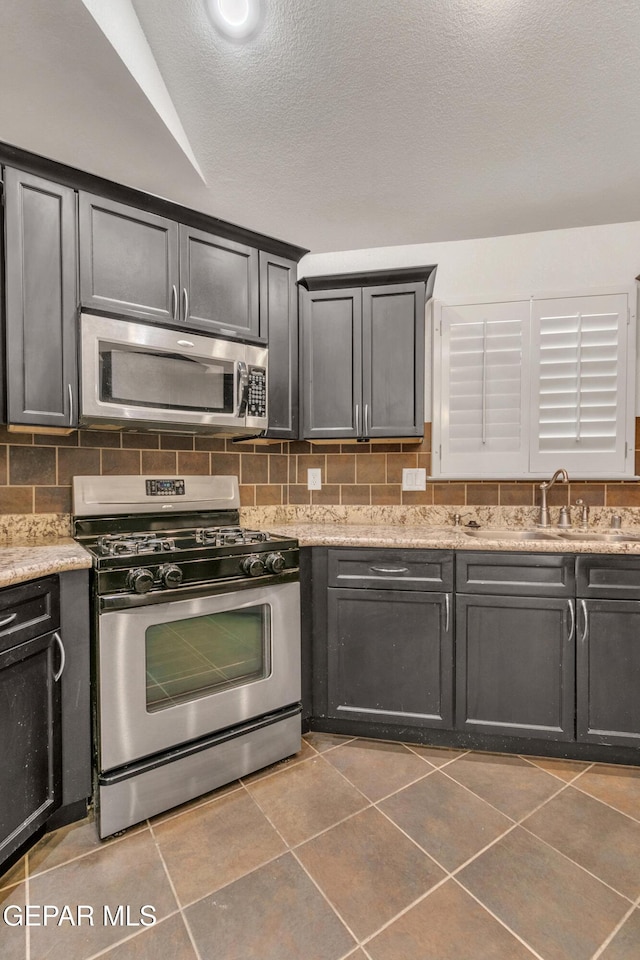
x,y
165,488
257,398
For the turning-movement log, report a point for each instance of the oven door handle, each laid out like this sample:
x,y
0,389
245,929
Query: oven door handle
x,y
243,388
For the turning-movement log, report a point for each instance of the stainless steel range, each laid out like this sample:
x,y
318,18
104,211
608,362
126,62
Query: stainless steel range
x,y
197,641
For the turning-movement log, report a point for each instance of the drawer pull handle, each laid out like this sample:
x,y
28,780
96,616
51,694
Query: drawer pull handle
x,y
389,569
8,620
63,656
447,602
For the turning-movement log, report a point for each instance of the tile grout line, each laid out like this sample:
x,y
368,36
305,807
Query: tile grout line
x,y
104,845
175,894
292,851
604,802
498,920
616,930
105,951
27,888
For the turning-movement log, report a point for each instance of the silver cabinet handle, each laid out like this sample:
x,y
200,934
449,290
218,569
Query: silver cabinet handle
x,y
573,619
185,302
447,611
186,343
585,615
70,404
8,620
174,302
63,656
366,419
357,419
389,569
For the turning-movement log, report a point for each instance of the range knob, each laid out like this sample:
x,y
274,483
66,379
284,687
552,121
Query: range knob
x,y
253,566
140,580
275,563
170,575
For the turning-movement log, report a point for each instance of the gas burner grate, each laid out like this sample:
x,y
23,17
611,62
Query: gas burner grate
x,y
131,544
219,536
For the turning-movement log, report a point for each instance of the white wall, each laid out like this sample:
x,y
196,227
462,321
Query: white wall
x,y
553,261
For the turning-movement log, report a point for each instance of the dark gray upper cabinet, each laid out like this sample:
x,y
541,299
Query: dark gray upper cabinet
x,y
218,284
331,369
363,354
139,264
128,260
41,301
515,645
608,650
279,326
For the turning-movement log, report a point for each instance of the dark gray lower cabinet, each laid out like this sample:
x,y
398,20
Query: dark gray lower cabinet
x,y
31,661
608,672
608,650
390,637
515,666
515,644
45,729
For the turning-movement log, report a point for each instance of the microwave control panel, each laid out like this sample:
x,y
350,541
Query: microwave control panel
x,y
257,396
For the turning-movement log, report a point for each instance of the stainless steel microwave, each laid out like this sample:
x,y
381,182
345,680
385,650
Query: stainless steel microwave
x,y
141,375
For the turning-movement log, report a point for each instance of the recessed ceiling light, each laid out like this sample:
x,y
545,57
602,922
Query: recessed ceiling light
x,y
235,19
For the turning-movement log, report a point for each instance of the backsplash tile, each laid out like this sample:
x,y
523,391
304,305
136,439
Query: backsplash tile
x,y
357,479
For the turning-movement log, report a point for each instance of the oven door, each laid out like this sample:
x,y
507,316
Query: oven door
x,y
169,673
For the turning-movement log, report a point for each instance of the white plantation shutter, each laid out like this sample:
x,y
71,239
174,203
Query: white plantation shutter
x,y
483,389
579,384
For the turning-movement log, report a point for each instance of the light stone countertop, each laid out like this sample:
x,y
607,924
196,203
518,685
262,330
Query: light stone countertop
x,y
27,560
442,538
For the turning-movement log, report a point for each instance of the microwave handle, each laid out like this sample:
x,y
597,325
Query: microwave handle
x,y
243,388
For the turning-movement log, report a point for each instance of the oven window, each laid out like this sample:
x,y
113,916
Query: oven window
x,y
191,658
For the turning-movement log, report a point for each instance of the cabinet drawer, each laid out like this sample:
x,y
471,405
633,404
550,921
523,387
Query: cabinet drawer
x,y
28,610
516,574
608,577
391,569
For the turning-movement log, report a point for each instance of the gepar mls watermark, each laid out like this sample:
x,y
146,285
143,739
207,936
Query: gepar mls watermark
x,y
78,915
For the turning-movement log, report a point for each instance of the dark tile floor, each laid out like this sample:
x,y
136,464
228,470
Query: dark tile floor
x,y
353,849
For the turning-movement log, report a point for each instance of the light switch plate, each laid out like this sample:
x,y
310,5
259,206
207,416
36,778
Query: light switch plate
x,y
314,479
414,479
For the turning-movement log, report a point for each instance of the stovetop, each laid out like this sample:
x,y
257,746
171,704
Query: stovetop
x,y
153,537
207,540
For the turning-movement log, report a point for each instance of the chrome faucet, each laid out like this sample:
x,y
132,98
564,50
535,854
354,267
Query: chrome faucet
x,y
563,476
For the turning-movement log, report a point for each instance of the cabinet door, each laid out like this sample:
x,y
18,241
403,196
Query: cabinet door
x,y
393,360
41,301
279,326
128,260
515,660
30,745
608,672
481,389
331,390
390,657
581,395
219,284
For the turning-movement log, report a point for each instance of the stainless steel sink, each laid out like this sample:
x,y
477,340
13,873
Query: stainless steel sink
x,y
488,533
599,536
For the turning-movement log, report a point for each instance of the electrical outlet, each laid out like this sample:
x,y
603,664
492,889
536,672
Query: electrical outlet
x,y
414,479
314,479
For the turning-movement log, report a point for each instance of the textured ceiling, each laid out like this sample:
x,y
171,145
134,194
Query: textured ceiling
x,y
349,123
